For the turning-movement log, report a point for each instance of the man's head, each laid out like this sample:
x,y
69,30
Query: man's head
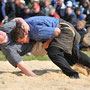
x,y
19,35
81,24
26,9
59,2
3,37
52,11
36,8
47,3
69,10
78,11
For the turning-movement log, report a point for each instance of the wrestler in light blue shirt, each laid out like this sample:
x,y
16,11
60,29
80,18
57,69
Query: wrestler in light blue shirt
x,y
42,28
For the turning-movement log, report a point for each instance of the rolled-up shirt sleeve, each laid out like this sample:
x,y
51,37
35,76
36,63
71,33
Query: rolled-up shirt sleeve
x,y
12,56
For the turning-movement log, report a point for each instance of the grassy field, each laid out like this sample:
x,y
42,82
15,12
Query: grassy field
x,y
27,58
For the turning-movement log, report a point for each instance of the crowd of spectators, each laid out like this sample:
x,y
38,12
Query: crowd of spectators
x,y
76,12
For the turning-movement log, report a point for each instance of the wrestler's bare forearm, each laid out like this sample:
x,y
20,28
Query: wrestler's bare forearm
x,y
25,69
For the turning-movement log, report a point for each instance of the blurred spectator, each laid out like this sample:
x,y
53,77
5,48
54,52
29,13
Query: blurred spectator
x,y
17,2
86,40
30,4
84,8
22,3
71,16
73,2
27,1
2,10
36,11
69,4
27,12
80,27
19,8
10,9
79,14
42,4
53,2
88,18
47,6
82,1
35,1
1,15
52,12
60,8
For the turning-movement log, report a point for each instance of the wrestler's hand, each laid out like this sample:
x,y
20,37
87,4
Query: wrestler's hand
x,y
21,21
25,27
21,65
33,74
45,45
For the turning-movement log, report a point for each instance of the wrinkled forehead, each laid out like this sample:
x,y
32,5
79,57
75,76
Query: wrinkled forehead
x,y
1,32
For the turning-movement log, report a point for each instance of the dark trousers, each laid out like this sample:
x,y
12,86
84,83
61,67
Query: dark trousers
x,y
64,60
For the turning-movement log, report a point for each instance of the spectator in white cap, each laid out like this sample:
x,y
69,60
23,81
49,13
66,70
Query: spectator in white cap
x,y
22,3
69,4
70,1
27,1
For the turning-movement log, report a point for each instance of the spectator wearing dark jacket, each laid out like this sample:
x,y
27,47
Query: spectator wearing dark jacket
x,y
60,8
52,12
27,12
71,16
21,9
88,18
27,1
37,11
73,2
84,8
10,9
80,27
79,14
46,8
2,10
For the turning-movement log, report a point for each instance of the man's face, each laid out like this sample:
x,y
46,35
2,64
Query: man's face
x,y
24,40
47,3
3,37
52,12
69,11
79,26
59,2
78,12
36,10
